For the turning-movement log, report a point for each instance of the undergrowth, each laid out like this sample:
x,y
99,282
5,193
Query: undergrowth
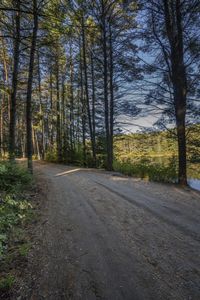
x,y
15,212
13,177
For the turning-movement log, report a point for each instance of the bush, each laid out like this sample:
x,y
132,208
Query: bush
x,y
51,155
12,212
13,176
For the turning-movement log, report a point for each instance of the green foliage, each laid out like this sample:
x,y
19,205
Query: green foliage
x,y
14,208
15,212
12,213
51,155
24,249
3,238
144,169
137,145
13,177
154,155
6,282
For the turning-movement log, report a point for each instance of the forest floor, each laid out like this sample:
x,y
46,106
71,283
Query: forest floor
x,y
102,235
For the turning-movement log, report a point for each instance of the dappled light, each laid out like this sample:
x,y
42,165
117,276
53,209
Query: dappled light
x,y
67,172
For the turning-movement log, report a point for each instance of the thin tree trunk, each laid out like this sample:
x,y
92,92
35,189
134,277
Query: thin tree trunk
x,y
58,129
37,145
82,100
63,121
12,127
93,110
51,107
2,127
71,104
86,88
29,89
111,100
105,75
41,110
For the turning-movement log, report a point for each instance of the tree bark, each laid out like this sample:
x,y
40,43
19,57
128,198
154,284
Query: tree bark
x,y
85,67
41,113
93,110
105,79
83,107
29,89
111,99
173,23
58,129
51,107
12,127
71,103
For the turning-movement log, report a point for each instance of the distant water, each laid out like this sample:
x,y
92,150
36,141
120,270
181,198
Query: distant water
x,y
194,183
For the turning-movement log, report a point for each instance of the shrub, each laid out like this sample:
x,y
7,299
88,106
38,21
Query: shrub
x,y
13,176
12,212
51,155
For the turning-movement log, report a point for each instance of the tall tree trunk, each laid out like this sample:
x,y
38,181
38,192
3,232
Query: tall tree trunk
x,y
83,106
85,67
51,108
105,78
58,129
41,111
29,88
111,98
3,103
63,123
1,128
12,127
93,110
173,23
71,103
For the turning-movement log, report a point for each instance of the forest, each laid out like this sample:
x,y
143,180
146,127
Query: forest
x,y
75,75
99,149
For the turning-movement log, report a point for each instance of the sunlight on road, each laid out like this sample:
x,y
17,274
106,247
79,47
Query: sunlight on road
x,y
67,172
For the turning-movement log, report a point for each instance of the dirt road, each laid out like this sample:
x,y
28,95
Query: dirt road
x,y
105,236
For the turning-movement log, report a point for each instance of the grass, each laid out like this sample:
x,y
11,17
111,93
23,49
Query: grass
x,y
24,249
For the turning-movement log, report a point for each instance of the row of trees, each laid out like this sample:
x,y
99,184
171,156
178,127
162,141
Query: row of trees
x,y
71,68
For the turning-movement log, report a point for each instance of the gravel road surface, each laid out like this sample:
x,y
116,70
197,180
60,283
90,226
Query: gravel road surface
x,y
107,236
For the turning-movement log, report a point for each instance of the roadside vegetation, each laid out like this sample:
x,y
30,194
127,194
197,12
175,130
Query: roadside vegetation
x,y
146,170
16,212
153,155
